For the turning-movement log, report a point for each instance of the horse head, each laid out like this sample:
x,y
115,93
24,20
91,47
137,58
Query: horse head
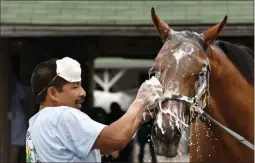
x,y
182,67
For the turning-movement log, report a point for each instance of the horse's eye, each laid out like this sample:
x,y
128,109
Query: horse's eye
x,y
201,73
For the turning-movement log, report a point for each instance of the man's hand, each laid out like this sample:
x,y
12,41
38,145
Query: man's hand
x,y
147,97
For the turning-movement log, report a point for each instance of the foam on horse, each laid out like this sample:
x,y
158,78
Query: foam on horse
x,y
221,76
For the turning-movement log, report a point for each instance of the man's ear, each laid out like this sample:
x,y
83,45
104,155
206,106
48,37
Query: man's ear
x,y
53,94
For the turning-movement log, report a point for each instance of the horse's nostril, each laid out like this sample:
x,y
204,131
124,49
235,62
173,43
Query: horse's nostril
x,y
166,144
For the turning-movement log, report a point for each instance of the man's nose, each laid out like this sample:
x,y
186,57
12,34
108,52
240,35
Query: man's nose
x,y
82,92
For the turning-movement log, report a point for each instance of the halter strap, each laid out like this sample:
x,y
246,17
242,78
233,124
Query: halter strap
x,y
187,99
234,134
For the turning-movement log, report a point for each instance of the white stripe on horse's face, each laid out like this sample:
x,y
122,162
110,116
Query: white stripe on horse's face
x,y
184,50
170,57
176,62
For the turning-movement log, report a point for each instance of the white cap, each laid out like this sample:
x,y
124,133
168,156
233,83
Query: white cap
x,y
69,69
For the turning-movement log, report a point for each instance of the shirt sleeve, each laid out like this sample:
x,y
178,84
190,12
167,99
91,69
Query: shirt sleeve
x,y
77,131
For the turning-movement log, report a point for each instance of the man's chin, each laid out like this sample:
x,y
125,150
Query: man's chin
x,y
78,106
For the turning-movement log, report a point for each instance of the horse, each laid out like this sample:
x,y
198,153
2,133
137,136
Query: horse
x,y
200,74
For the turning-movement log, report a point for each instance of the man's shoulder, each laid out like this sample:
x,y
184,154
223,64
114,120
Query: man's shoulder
x,y
72,113
61,109
51,113
71,110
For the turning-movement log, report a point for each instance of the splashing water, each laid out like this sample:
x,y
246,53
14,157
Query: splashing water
x,y
173,114
160,122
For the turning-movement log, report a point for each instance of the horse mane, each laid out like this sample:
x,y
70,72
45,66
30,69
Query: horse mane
x,y
241,56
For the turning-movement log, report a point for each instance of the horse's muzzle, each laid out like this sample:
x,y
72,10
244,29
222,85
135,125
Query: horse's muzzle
x,y
166,144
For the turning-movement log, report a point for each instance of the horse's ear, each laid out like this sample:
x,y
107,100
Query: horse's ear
x,y
161,26
210,34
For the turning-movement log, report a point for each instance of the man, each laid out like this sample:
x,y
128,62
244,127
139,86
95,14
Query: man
x,y
60,132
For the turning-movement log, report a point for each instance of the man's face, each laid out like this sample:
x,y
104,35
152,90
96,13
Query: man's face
x,y
72,95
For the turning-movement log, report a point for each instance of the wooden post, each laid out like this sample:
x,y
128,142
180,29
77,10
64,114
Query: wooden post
x,y
4,100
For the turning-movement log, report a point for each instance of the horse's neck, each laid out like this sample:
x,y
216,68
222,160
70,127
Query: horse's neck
x,y
231,96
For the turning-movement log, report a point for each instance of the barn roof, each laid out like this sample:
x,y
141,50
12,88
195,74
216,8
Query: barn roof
x,y
124,12
42,18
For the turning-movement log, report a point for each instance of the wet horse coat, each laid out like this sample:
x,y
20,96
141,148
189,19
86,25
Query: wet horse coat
x,y
231,102
230,98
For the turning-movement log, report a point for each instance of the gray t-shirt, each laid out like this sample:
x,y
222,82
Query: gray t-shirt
x,y
62,134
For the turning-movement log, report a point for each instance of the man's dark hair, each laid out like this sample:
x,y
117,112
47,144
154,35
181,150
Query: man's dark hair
x,y
42,77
